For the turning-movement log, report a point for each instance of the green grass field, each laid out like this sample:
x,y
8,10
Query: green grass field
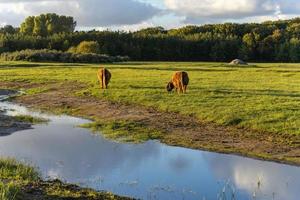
x,y
260,96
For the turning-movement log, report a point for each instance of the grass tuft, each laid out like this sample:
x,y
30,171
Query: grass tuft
x,y
14,170
8,191
31,119
124,131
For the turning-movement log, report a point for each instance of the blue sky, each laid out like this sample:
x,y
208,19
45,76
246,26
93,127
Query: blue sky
x,y
136,14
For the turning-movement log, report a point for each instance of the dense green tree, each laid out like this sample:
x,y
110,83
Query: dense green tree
x,y
27,26
268,41
9,29
294,50
40,26
47,24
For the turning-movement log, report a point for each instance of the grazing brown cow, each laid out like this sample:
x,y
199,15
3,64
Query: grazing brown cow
x,y
179,81
104,77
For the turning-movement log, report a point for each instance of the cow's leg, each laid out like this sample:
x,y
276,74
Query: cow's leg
x,y
181,87
104,81
184,88
100,81
103,84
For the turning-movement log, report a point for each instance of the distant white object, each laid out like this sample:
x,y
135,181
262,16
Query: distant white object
x,y
238,62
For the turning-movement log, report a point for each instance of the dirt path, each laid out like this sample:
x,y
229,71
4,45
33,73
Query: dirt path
x,y
179,130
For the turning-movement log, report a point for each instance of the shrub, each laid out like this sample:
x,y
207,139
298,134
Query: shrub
x,y
86,47
45,55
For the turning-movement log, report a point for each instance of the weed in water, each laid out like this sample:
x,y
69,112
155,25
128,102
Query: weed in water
x,y
125,131
31,119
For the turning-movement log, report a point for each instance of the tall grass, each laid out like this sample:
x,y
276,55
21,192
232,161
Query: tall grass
x,y
12,175
14,170
8,191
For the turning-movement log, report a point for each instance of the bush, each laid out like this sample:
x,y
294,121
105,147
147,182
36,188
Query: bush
x,y
45,55
86,47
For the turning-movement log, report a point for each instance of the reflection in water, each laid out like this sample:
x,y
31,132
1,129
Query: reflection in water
x,y
150,170
259,177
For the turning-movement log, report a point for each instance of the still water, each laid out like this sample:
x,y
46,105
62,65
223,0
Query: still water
x,y
148,171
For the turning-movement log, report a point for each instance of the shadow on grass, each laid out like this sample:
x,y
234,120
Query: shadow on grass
x,y
54,65
21,65
239,66
176,69
145,87
280,93
285,71
134,63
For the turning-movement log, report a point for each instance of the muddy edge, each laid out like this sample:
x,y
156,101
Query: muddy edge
x,y
8,124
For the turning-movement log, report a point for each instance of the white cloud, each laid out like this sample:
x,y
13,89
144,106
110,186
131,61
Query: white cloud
x,y
196,11
90,13
135,14
133,27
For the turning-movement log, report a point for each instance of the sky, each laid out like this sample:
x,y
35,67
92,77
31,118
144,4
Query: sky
x,y
130,15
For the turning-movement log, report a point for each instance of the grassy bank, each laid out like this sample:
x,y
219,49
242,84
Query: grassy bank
x,y
262,96
247,110
19,181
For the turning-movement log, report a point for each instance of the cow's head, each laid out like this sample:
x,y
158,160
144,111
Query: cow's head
x,y
170,86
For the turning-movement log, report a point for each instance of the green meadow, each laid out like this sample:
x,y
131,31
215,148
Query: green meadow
x,y
259,96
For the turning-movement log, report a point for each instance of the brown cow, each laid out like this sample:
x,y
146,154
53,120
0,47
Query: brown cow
x,y
179,81
104,77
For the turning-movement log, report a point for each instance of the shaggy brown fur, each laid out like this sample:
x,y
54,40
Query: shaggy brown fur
x,y
179,81
104,77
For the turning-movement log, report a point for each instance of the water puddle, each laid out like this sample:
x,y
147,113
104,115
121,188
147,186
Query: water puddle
x,y
149,171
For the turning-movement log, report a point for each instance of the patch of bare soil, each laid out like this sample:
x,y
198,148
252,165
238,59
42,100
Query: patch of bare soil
x,y
179,130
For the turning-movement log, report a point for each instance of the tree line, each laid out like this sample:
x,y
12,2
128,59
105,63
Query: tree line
x,y
271,41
